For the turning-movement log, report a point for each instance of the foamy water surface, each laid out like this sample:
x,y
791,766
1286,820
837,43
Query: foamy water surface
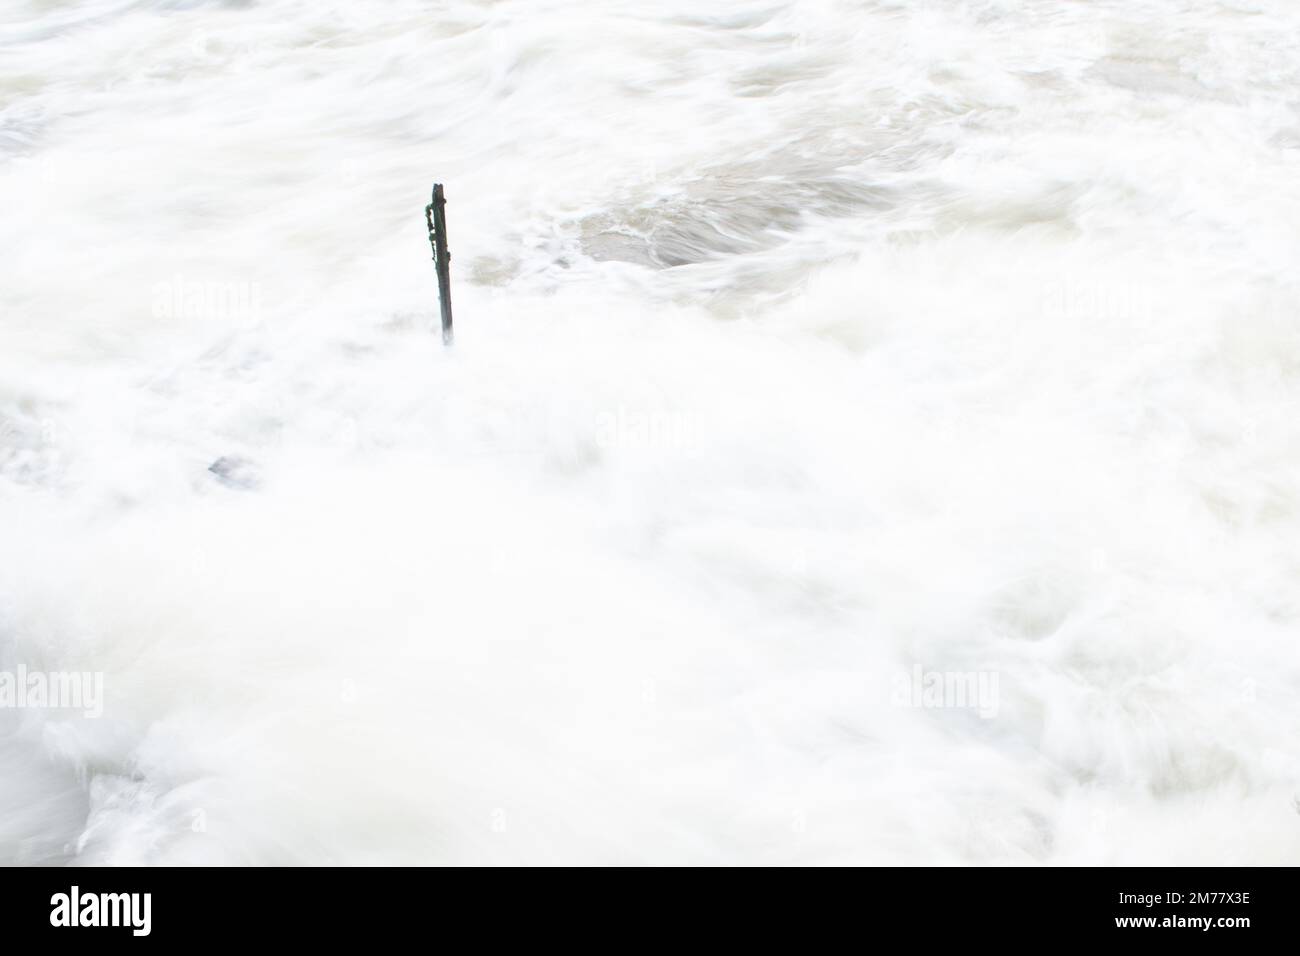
x,y
805,348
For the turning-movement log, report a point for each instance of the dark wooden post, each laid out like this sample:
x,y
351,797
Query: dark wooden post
x,y
436,217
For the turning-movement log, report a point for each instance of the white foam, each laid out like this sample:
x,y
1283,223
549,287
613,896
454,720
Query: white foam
x,y
629,575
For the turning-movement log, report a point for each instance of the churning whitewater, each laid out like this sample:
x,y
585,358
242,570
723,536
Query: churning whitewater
x,y
871,435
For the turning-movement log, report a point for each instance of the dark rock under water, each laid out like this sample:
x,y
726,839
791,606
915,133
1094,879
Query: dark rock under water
x,y
236,472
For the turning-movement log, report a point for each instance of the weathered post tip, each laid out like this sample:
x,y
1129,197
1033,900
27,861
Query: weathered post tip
x,y
436,218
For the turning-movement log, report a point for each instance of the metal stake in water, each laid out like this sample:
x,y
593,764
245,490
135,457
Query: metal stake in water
x,y
436,217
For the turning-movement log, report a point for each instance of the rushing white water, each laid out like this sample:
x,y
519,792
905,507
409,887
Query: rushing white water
x,y
801,344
